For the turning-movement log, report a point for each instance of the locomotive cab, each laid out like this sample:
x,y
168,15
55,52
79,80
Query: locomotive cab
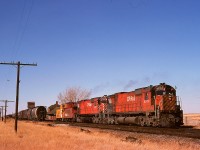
x,y
167,107
164,97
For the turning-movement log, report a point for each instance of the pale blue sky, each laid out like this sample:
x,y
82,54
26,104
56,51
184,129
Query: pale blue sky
x,y
103,45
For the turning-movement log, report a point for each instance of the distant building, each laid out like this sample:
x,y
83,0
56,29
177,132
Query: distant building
x,y
30,105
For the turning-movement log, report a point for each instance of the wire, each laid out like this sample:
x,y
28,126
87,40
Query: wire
x,y
18,30
22,33
13,50
24,19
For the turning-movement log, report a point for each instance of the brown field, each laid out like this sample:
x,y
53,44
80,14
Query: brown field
x,y
35,136
192,119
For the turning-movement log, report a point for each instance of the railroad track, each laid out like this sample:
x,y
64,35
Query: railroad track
x,y
184,131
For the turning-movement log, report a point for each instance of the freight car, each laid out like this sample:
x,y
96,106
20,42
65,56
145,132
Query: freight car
x,y
148,106
36,113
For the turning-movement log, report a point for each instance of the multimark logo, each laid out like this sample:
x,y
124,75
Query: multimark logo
x,y
130,98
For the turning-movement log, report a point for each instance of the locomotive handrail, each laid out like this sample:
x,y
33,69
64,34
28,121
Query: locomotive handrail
x,y
179,102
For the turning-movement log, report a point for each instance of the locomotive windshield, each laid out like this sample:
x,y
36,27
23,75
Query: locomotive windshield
x,y
170,90
160,92
165,90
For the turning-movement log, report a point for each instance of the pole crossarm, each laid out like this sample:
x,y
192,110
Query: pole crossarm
x,y
16,63
6,101
2,106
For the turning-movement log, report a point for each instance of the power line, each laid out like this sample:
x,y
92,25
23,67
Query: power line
x,y
22,26
25,27
19,28
18,64
24,21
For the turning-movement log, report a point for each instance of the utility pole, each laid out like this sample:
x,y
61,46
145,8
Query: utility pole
x,y
2,112
18,64
6,101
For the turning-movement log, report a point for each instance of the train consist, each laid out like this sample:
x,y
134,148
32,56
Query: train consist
x,y
148,106
37,113
156,106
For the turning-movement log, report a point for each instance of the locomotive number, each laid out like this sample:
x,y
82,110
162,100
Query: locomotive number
x,y
130,98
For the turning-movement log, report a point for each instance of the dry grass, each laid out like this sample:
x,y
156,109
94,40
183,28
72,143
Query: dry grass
x,y
192,119
36,136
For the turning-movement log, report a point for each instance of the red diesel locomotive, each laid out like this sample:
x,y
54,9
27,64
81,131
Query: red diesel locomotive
x,y
148,106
